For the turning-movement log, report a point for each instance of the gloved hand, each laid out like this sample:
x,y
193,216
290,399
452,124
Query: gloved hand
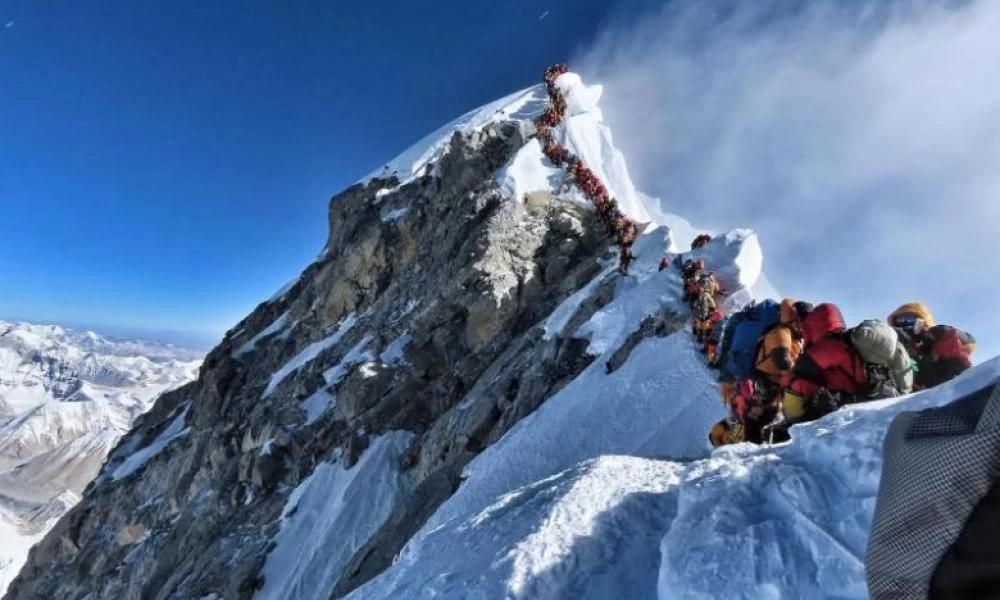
x,y
825,401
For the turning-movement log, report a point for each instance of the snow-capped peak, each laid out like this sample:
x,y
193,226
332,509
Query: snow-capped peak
x,y
66,397
390,426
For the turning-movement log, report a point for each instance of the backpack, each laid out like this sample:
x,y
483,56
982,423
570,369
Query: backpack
x,y
703,306
951,342
878,346
746,329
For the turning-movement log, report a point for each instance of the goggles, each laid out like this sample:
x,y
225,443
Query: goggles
x,y
906,321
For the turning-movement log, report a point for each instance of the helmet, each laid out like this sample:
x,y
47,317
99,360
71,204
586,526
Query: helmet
x,y
794,310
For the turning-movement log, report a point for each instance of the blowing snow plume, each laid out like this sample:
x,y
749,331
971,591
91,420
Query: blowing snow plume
x,y
861,142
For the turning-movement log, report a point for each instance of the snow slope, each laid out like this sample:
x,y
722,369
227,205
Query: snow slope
x,y
555,501
575,534
786,521
525,105
14,546
610,489
329,516
68,397
584,134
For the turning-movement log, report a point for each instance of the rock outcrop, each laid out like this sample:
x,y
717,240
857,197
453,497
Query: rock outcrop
x,y
422,315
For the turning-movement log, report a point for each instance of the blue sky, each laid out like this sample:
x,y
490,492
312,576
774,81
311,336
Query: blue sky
x,y
167,165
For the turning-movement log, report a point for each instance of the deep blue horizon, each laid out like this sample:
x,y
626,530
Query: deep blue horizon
x,y
165,167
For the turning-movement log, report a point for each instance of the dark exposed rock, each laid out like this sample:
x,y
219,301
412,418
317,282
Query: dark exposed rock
x,y
466,273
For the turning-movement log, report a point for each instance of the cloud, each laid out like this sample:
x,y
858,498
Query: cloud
x,y
861,140
8,24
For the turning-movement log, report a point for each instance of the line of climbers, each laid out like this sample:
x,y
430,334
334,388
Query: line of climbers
x,y
789,362
780,363
620,228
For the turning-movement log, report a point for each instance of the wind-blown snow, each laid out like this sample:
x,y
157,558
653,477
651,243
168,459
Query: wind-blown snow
x,y
329,516
609,489
583,132
138,459
310,352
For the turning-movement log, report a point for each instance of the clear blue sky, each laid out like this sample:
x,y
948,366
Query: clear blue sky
x,y
164,166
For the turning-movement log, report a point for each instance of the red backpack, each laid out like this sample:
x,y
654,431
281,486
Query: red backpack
x,y
823,320
842,368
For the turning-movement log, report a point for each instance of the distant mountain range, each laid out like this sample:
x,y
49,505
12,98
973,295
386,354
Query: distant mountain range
x,y
66,397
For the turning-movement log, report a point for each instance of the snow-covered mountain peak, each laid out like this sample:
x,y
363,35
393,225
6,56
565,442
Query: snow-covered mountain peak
x,y
464,396
464,285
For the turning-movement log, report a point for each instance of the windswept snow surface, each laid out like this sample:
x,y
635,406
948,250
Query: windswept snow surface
x,y
591,532
788,521
584,133
525,105
329,516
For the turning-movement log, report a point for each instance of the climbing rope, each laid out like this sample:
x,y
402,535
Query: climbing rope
x,y
621,229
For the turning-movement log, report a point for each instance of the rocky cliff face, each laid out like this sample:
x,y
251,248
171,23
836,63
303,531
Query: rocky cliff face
x,y
419,322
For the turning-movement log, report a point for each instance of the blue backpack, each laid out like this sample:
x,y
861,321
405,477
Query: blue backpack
x,y
744,330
